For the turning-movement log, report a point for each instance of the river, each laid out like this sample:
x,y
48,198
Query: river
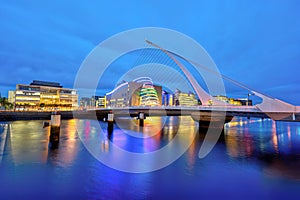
x,y
257,159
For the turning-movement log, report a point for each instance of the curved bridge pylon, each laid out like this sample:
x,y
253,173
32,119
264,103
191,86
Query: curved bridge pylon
x,y
276,109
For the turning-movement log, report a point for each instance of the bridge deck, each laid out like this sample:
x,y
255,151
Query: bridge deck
x,y
235,111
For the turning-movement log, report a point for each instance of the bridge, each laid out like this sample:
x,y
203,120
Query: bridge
x,y
212,109
219,111
270,107
234,111
202,114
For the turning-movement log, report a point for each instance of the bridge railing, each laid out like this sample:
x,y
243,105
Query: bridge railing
x,y
203,108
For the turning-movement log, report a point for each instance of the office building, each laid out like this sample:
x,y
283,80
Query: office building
x,y
185,99
167,99
233,101
139,92
99,101
86,102
11,96
42,95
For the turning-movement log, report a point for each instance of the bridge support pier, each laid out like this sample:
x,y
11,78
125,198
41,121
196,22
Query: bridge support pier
x,y
215,128
141,118
54,130
110,123
214,121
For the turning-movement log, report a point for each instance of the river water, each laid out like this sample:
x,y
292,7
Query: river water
x,y
258,159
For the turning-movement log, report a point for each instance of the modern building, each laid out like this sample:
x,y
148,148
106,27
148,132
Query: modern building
x,y
233,101
185,99
99,101
42,95
11,96
125,94
86,102
167,99
139,92
245,101
149,94
93,102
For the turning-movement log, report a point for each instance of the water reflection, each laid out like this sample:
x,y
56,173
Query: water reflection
x,y
27,142
141,148
3,135
244,138
264,136
143,139
274,137
68,148
253,151
276,144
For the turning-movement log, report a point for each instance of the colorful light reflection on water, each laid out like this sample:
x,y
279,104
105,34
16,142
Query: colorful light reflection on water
x,y
257,159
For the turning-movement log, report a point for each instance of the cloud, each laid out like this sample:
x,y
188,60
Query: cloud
x,y
253,42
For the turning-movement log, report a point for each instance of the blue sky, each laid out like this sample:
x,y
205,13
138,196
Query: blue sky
x,y
254,42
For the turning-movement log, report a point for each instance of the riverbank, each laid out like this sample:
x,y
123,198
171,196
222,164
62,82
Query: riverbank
x,y
38,115
31,115
87,114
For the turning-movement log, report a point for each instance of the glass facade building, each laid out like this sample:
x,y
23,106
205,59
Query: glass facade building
x,y
185,99
139,92
233,101
41,95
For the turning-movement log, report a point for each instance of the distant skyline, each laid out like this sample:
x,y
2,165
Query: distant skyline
x,y
253,42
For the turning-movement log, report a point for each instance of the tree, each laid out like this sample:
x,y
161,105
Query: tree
x,y
4,103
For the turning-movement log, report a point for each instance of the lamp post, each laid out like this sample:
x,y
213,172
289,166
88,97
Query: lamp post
x,y
248,98
248,95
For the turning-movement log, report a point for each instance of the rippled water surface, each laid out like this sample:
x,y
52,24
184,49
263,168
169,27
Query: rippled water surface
x,y
256,159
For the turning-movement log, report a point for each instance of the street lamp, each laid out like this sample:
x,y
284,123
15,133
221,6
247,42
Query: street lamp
x,y
248,96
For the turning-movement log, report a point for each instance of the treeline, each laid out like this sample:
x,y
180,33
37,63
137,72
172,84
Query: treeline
x,y
4,104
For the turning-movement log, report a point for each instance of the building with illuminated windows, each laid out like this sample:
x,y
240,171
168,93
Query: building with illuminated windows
x,y
167,98
185,99
100,101
11,96
139,92
149,95
41,95
86,102
93,102
233,101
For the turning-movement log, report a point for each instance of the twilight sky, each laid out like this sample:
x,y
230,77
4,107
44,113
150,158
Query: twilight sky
x,y
252,42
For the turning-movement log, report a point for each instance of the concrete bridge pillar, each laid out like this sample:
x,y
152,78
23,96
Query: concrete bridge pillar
x,y
110,123
55,129
212,120
141,118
